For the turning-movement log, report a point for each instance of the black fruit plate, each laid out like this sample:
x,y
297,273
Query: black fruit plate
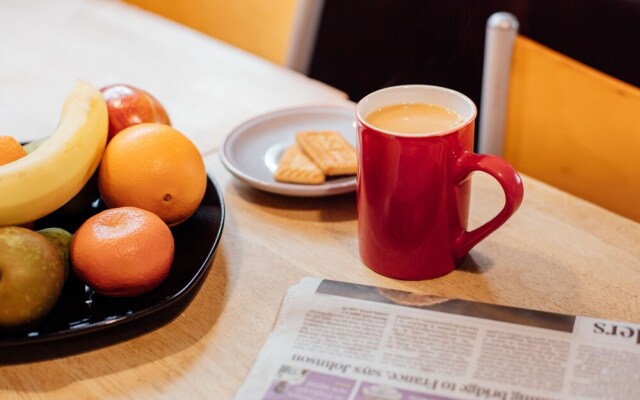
x,y
81,311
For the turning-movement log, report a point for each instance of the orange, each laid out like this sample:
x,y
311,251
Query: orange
x,y
10,150
122,252
155,167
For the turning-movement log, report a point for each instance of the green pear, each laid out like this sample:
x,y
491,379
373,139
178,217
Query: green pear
x,y
61,239
31,277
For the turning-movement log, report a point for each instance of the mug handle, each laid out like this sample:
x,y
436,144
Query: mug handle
x,y
511,184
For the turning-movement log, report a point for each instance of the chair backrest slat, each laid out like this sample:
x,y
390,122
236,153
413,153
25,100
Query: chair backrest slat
x,y
574,127
282,31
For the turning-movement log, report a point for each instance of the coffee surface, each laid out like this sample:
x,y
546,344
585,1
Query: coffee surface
x,y
417,118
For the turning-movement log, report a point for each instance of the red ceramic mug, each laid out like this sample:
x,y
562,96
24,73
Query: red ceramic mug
x,y
413,188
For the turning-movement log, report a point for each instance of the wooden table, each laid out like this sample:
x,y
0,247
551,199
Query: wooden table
x,y
558,253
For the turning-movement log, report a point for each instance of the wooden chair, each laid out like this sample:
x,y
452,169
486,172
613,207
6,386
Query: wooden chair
x,y
282,31
560,121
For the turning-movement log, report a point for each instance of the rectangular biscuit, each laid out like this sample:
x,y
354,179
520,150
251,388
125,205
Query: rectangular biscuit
x,y
330,151
296,167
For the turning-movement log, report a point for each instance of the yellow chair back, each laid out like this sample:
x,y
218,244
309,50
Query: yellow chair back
x,y
574,127
274,29
559,120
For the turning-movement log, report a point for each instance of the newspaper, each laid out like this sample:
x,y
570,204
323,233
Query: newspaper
x,y
342,341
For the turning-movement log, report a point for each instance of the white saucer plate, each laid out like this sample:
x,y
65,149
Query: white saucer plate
x,y
252,150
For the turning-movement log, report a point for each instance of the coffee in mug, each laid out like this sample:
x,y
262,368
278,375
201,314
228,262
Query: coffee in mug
x,y
414,118
415,157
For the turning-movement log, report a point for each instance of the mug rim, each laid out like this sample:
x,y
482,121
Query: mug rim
x,y
463,97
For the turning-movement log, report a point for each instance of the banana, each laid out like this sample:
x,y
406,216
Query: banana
x,y
45,179
34,144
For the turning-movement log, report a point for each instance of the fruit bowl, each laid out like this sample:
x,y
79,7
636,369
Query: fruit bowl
x,y
80,311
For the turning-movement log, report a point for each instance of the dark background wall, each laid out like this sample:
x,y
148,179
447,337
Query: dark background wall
x,y
365,45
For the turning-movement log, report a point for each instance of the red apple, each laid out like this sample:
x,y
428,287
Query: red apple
x,y
128,105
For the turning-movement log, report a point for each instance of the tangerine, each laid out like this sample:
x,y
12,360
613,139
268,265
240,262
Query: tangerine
x,y
154,167
122,252
10,150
